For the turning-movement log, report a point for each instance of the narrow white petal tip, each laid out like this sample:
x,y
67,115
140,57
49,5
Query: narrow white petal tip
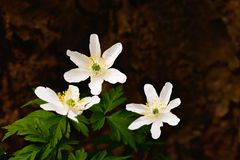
x,y
119,44
128,106
148,85
96,99
124,79
74,119
178,101
131,127
68,78
169,84
155,136
95,92
69,52
93,35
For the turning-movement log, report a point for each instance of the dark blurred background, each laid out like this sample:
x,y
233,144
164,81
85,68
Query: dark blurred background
x,y
195,44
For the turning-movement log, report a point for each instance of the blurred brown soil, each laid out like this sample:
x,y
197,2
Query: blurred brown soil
x,y
195,44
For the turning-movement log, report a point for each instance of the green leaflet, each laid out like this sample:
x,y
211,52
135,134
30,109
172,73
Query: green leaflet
x,y
109,101
32,126
79,155
97,119
60,129
43,127
112,99
81,126
2,152
119,123
27,153
103,156
36,101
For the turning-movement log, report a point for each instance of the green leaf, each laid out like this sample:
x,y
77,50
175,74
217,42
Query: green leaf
x,y
119,123
2,152
79,155
113,99
103,156
46,151
27,153
110,100
97,119
59,130
36,101
117,158
81,125
40,126
33,126
100,155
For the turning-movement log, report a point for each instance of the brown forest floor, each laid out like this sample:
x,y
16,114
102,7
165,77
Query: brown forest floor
x,y
195,44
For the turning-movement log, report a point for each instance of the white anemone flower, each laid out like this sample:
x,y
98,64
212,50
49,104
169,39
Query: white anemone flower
x,y
96,67
156,111
65,103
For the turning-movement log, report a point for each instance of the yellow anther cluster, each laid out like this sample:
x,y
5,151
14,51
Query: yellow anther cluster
x,y
61,95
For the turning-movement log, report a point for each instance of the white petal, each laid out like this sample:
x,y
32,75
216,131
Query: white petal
x,y
72,115
48,107
74,91
150,92
173,104
137,108
94,46
113,76
170,118
79,59
112,53
47,95
156,130
51,107
141,121
76,75
96,85
166,93
94,100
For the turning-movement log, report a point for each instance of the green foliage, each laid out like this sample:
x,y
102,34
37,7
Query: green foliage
x,y
110,100
27,153
118,123
81,126
2,152
36,101
62,128
79,155
42,127
103,156
97,120
32,126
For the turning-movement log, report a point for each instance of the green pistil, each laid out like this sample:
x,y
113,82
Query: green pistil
x,y
96,67
155,111
70,102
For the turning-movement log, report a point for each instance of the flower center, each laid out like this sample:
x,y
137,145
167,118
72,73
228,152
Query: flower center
x,y
155,107
65,98
70,102
155,111
96,67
